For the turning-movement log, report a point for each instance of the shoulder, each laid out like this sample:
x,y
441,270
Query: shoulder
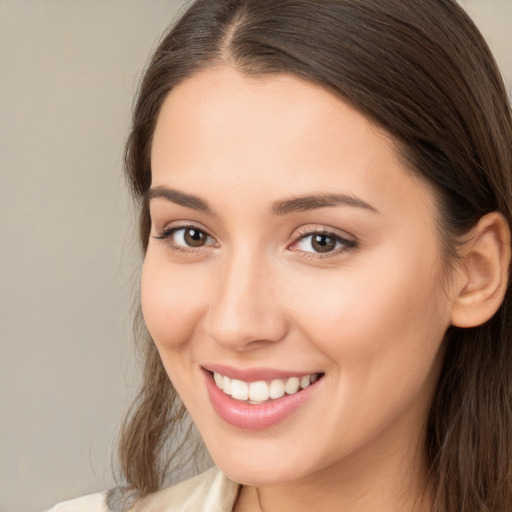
x,y
90,503
211,491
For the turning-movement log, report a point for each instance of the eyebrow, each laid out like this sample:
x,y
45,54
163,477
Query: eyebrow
x,y
316,201
180,198
293,205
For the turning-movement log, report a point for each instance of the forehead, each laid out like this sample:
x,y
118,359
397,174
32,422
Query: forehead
x,y
274,136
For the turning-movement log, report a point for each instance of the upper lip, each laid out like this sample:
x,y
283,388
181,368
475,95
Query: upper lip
x,y
254,374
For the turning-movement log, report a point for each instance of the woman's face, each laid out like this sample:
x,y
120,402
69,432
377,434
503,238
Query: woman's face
x,y
290,246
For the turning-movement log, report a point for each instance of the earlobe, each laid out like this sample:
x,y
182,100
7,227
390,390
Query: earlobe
x,y
483,277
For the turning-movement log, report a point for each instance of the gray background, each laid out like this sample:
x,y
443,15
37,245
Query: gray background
x,y
68,262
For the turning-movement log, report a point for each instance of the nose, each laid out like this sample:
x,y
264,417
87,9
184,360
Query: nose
x,y
245,311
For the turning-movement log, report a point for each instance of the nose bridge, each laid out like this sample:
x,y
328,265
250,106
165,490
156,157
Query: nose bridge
x,y
244,307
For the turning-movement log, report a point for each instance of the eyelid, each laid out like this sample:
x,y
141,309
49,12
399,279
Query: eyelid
x,y
166,233
312,229
348,242
180,224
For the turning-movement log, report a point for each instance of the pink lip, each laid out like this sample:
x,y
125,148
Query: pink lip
x,y
253,374
255,417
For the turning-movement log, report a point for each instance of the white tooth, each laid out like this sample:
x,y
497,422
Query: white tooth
x,y
258,391
276,389
218,378
305,382
239,389
314,378
292,385
226,385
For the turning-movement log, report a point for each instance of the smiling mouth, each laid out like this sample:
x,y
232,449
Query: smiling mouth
x,y
260,392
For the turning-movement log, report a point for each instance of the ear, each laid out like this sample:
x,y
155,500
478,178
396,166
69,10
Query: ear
x,y
483,277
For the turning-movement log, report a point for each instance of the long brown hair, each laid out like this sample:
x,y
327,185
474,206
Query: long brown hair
x,y
421,70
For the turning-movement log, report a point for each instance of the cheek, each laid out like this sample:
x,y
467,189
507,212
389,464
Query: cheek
x,y
378,320
171,301
380,333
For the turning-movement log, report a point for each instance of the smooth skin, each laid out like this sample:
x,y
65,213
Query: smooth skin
x,y
353,287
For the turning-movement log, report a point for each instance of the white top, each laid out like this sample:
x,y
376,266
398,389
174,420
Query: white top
x,y
211,491
90,503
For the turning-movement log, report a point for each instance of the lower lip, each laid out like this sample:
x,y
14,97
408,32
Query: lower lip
x,y
255,417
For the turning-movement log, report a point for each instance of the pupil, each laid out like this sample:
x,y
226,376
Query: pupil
x,y
194,238
323,243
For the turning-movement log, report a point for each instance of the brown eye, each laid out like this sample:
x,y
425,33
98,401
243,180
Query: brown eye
x,y
187,237
194,238
323,243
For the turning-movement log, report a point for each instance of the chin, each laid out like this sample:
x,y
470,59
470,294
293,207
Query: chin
x,y
258,465
256,475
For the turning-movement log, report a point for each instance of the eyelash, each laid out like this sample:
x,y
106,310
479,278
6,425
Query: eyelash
x,y
346,244
166,235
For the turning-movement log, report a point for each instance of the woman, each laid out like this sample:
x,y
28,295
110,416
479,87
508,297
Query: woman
x,y
325,201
